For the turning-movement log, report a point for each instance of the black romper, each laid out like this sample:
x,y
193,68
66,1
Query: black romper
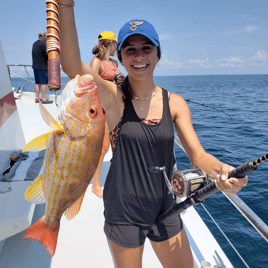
x,y
132,195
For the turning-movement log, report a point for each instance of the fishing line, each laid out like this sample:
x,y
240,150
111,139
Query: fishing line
x,y
241,258
19,76
243,148
202,104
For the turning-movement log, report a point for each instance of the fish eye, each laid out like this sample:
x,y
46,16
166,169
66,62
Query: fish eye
x,y
93,111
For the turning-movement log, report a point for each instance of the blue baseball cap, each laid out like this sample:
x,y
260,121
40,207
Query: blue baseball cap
x,y
142,27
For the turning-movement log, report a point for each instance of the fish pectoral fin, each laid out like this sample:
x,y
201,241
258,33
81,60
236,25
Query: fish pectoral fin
x,y
34,192
38,143
73,210
44,234
49,118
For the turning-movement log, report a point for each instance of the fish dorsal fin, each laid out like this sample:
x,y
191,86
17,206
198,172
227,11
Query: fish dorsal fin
x,y
34,192
38,143
72,211
49,118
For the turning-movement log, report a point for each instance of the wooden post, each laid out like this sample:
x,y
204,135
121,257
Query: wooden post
x,y
53,45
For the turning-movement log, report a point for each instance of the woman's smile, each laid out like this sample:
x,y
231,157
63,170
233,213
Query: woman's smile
x,y
140,67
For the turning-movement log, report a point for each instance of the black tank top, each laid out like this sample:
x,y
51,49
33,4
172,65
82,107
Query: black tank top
x,y
132,195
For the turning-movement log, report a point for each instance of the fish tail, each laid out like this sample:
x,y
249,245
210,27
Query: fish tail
x,y
44,234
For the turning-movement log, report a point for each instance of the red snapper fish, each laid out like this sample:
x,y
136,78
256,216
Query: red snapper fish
x,y
72,156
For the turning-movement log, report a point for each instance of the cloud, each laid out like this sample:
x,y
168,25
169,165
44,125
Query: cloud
x,y
231,62
203,63
260,56
175,64
250,29
197,61
163,37
184,64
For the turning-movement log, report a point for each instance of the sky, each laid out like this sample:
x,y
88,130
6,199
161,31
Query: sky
x,y
205,37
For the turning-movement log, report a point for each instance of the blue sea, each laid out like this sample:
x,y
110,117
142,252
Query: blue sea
x,y
235,131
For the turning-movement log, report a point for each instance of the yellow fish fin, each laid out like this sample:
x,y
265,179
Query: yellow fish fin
x,y
38,143
34,192
73,210
49,118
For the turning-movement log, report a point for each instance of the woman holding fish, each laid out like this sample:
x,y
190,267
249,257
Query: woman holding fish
x,y
140,117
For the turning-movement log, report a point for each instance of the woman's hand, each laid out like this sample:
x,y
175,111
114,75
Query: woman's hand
x,y
229,185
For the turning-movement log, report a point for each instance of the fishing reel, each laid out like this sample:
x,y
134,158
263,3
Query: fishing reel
x,y
183,183
186,182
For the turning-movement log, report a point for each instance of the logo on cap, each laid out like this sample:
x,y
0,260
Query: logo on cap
x,y
134,25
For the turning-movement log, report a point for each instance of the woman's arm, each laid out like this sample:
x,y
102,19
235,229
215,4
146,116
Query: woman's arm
x,y
70,54
71,59
196,153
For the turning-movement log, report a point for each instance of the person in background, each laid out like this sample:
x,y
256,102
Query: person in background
x,y
107,68
39,57
141,118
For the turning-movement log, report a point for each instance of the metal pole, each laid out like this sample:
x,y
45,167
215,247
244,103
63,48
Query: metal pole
x,y
25,68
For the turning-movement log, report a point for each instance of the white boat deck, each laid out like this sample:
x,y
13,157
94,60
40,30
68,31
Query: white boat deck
x,y
82,242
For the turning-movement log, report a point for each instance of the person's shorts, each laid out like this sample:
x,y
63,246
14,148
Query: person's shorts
x,y
132,236
40,76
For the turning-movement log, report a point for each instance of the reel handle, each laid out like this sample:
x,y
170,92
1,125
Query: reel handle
x,y
155,169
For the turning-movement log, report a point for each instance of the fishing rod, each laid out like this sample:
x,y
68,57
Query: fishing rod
x,y
193,184
202,104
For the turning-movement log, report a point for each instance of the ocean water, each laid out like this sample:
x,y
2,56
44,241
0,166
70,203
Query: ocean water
x,y
235,131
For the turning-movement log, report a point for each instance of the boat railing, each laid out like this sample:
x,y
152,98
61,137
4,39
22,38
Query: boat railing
x,y
25,68
256,222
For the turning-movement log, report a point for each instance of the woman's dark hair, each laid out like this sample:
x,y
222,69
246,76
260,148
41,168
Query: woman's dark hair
x,y
127,95
100,49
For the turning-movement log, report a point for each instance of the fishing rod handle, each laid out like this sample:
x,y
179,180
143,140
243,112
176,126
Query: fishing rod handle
x,y
239,172
53,45
177,209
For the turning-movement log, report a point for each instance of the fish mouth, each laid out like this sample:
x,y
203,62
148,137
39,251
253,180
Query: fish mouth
x,y
83,84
